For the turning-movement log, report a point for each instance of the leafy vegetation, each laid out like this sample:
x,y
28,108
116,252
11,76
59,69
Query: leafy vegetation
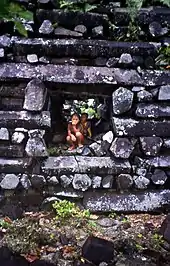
x,y
82,6
10,11
163,60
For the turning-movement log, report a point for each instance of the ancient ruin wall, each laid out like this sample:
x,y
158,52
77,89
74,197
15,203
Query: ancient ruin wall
x,y
129,169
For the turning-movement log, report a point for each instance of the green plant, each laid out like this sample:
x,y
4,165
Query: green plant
x,y
81,6
4,224
164,57
66,209
10,11
157,240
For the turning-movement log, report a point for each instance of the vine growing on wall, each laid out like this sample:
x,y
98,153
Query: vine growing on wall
x,y
10,11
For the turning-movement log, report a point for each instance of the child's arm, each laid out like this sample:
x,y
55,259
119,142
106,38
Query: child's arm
x,y
69,130
89,130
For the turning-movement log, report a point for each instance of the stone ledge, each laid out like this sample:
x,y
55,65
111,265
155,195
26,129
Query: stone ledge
x,y
128,203
14,165
12,119
139,128
81,48
81,164
83,75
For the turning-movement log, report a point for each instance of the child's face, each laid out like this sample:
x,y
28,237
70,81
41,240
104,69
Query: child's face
x,y
83,118
75,120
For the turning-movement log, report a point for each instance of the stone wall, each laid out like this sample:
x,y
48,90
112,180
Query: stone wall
x,y
128,169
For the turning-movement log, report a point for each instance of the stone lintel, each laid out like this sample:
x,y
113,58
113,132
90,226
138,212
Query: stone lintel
x,y
67,74
127,203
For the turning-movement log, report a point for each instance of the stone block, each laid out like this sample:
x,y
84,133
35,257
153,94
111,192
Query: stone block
x,y
151,145
160,161
137,128
159,177
35,95
11,104
36,146
121,148
14,165
96,181
12,119
153,110
81,182
11,151
10,181
164,93
124,181
107,181
122,100
127,202
4,133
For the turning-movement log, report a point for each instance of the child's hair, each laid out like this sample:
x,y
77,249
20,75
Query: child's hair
x,y
85,114
75,114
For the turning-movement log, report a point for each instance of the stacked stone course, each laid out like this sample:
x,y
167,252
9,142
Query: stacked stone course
x,y
128,168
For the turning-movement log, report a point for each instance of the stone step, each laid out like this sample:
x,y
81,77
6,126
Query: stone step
x,y
83,75
127,203
72,18
15,165
138,128
13,119
83,164
81,48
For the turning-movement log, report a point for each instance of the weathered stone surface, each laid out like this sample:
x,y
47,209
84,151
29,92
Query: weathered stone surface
x,y
164,93
36,146
105,222
122,100
24,119
17,137
11,151
10,181
35,95
97,31
97,149
76,74
80,28
125,59
139,202
121,148
81,182
124,181
161,161
53,180
32,58
166,143
131,127
159,177
108,137
11,104
14,165
144,96
46,27
60,164
65,180
96,181
38,181
12,90
25,181
4,133
102,165
138,88
141,182
62,32
153,110
5,41
65,193
79,48
156,29
151,145
2,52
107,181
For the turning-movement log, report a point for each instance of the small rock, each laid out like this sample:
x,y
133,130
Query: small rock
x,y
105,222
18,137
97,31
166,143
86,152
44,60
141,171
53,180
141,182
38,181
10,181
5,41
151,145
4,134
108,137
121,148
107,181
2,53
125,59
59,31
96,181
122,100
164,93
156,29
43,1
144,96
36,146
81,182
65,180
112,62
97,149
138,88
159,177
81,28
25,181
124,181
32,58
46,27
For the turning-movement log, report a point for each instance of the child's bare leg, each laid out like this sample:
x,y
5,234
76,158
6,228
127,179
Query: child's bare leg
x,y
80,139
71,142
